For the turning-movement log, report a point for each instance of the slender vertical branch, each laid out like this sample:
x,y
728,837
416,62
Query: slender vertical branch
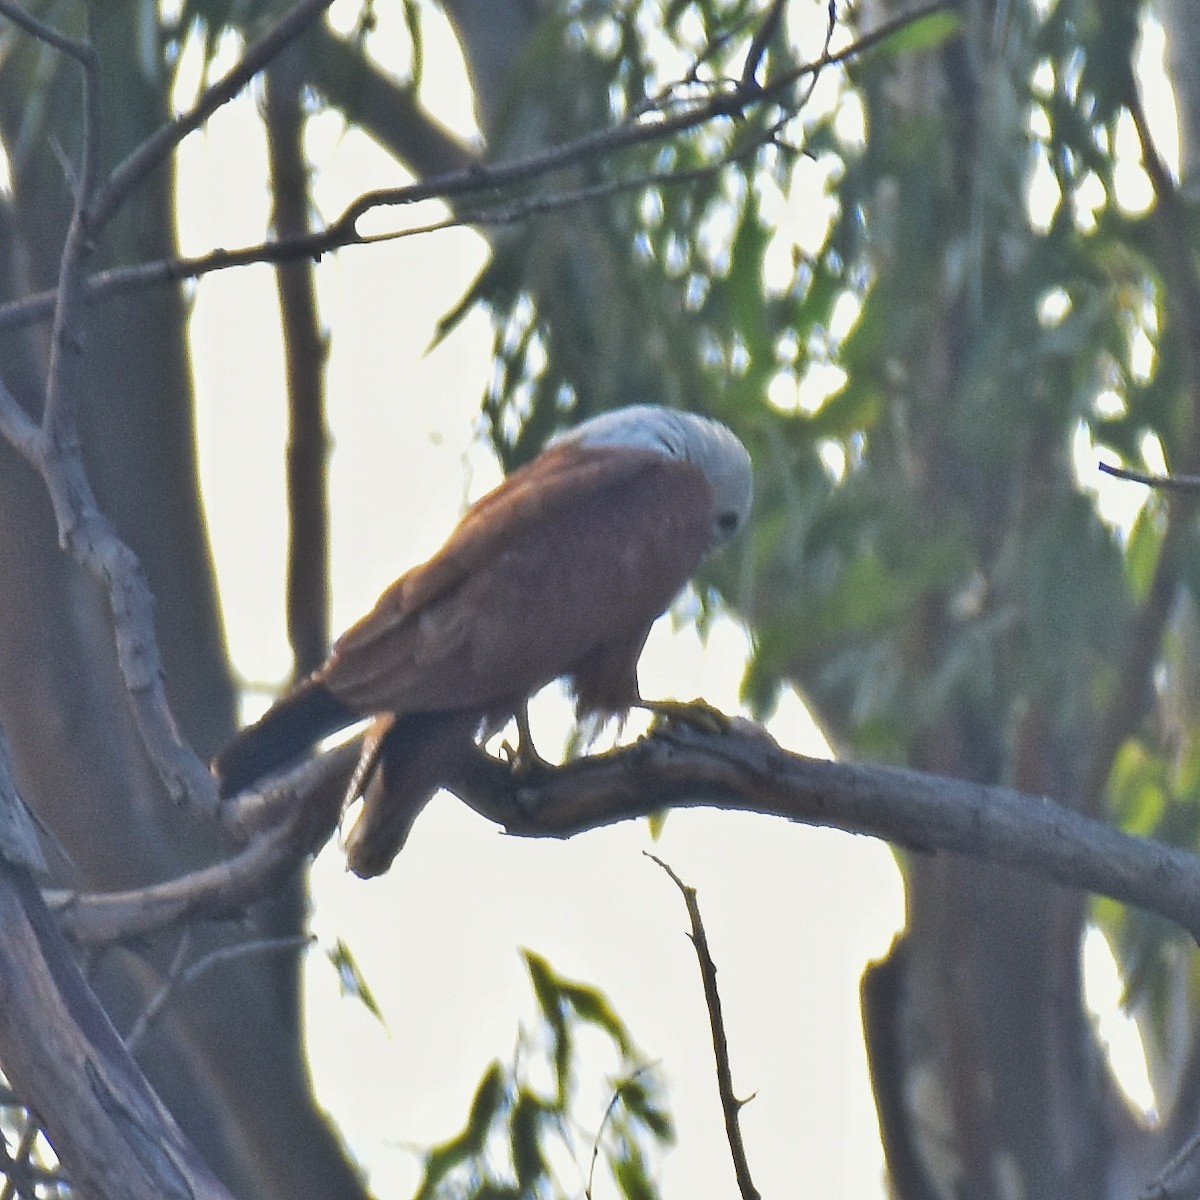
x,y
305,351
67,337
731,1106
55,448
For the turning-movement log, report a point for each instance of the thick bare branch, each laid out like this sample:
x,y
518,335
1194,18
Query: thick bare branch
x,y
678,767
108,1128
56,452
745,770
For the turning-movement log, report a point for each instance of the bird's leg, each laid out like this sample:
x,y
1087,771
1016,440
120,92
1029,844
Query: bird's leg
x,y
525,757
699,714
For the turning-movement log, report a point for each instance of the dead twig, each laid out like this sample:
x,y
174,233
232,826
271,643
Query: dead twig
x,y
608,1113
1178,483
731,1106
179,978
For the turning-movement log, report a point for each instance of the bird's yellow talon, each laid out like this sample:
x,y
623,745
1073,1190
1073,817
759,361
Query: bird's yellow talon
x,y
699,714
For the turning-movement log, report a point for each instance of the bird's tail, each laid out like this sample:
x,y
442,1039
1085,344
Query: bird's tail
x,y
283,733
404,761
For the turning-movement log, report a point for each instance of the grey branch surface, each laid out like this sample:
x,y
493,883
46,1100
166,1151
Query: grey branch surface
x,y
744,769
108,1128
679,766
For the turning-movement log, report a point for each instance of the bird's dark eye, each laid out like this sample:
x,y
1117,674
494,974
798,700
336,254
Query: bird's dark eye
x,y
727,522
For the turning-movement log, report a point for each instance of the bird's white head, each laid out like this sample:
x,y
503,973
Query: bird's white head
x,y
711,447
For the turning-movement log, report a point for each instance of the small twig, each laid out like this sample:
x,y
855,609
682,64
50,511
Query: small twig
x,y
66,339
142,160
1176,483
80,51
608,1112
470,181
760,41
177,978
731,1106
1180,1178
159,1000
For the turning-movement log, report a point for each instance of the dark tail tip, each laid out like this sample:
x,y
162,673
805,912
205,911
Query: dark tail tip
x,y
284,732
405,760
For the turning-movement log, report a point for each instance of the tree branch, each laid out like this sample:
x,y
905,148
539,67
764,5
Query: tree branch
x,y
731,1106
81,52
389,111
1179,483
179,978
310,797
1179,1179
142,160
305,353
677,767
745,770
475,180
107,1127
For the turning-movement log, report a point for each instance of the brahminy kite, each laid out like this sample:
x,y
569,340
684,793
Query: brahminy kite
x,y
557,573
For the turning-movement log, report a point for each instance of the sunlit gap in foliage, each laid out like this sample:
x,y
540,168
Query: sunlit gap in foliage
x,y
1057,178
1116,1031
1118,501
799,207
1132,191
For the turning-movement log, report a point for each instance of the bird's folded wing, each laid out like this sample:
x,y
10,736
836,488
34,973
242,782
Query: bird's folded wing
x,y
583,547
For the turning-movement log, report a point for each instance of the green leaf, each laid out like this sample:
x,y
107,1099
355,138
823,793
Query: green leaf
x,y
629,1170
352,981
525,1136
547,987
469,1144
641,1099
925,33
1143,548
592,1006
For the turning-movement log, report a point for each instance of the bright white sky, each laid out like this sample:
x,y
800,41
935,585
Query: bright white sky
x,y
793,914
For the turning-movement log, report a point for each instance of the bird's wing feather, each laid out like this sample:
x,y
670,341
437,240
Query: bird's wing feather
x,y
581,549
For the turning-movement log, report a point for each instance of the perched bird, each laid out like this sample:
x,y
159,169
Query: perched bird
x,y
558,572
